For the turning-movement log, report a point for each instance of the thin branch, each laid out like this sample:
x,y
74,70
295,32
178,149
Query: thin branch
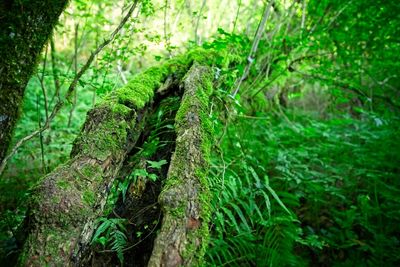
x,y
196,35
177,17
71,112
56,79
60,103
41,81
350,88
303,14
254,47
237,16
97,51
166,38
40,136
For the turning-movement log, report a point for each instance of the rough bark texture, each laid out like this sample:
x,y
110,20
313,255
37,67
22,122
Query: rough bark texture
x,y
66,202
184,232
75,193
25,27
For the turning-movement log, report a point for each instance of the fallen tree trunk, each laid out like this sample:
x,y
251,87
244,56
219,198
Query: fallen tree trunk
x,y
139,206
65,204
184,231
75,193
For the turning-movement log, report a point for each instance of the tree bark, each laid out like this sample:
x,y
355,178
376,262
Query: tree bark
x,y
184,232
75,193
66,202
26,25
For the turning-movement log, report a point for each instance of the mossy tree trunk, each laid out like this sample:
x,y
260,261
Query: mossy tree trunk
x,y
66,202
25,27
75,193
184,200
63,207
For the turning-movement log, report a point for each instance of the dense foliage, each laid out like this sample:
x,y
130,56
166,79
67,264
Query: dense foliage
x,y
305,164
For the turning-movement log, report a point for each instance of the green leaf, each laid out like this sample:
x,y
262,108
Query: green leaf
x,y
141,173
157,164
102,240
152,177
278,199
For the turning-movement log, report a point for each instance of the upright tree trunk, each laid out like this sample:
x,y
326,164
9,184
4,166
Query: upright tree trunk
x,y
25,27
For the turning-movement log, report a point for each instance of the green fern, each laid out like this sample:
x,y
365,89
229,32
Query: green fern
x,y
118,244
110,233
343,187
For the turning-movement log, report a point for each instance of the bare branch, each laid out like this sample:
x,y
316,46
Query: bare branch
x,y
254,47
196,35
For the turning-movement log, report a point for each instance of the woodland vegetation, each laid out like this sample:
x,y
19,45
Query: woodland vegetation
x,y
199,133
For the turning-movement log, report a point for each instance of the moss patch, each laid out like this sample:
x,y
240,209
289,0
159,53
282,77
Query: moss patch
x,y
104,133
89,197
194,130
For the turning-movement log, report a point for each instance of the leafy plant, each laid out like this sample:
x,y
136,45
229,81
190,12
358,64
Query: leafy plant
x,y
111,233
326,193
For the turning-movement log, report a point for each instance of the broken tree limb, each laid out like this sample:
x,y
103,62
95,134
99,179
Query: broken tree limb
x,y
184,199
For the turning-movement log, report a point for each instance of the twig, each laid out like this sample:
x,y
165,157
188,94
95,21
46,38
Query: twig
x,y
196,36
351,88
71,112
178,16
97,51
237,16
41,81
60,103
56,79
254,47
290,68
303,14
166,39
120,70
40,136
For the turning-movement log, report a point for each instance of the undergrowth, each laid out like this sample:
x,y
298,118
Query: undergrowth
x,y
337,177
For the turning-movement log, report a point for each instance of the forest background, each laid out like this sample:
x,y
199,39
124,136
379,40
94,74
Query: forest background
x,y
304,169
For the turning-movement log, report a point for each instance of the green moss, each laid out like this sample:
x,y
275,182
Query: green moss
x,y
178,212
92,172
89,197
116,108
199,103
203,94
55,199
182,113
205,57
63,184
105,134
140,90
32,250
